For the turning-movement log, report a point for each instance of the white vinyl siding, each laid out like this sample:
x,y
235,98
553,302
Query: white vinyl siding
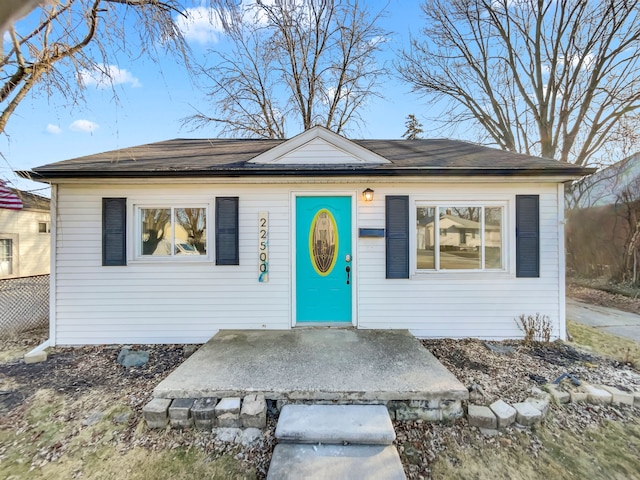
x,y
179,302
460,304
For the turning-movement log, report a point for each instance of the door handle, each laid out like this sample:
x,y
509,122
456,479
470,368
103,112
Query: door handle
x,y
348,269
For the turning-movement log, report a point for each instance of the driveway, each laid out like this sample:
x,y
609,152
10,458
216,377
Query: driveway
x,y
608,320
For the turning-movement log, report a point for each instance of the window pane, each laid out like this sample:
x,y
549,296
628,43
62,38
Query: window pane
x,y
156,231
460,239
425,229
493,237
191,231
6,257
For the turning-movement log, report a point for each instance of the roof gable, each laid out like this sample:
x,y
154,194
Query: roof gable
x,y
317,147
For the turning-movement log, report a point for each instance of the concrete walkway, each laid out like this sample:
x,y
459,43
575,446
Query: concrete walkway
x,y
313,364
608,320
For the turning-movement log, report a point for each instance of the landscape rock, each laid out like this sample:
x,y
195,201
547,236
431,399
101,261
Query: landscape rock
x,y
499,348
189,350
180,413
227,412
527,414
597,395
250,436
618,396
122,418
504,413
203,412
227,434
155,412
132,358
410,414
541,404
540,394
93,418
559,396
254,411
578,396
636,399
451,409
481,416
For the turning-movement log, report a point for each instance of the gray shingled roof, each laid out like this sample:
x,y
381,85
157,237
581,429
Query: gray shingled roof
x,y
229,157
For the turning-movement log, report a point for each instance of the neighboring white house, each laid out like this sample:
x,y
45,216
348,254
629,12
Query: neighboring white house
x,y
24,233
173,241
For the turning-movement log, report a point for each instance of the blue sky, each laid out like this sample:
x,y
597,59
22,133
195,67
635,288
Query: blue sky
x,y
152,98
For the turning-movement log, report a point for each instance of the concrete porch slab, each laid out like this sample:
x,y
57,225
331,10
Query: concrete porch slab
x,y
313,364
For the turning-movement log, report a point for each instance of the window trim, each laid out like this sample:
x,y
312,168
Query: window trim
x,y
15,254
47,227
437,203
136,232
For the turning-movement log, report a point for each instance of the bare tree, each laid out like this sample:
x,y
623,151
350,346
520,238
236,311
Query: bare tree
x,y
72,38
552,78
308,62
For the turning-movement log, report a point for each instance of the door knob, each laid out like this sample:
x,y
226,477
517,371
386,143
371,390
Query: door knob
x,y
348,269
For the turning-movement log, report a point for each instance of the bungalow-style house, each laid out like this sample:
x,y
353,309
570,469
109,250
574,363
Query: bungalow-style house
x,y
173,241
24,233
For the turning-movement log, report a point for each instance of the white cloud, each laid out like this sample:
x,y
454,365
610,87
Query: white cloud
x,y
85,126
106,75
200,25
53,129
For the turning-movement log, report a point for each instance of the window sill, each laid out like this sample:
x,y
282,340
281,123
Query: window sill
x,y
460,274
171,260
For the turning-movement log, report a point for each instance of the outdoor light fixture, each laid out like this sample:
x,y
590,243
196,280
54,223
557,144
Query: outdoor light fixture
x,y
367,195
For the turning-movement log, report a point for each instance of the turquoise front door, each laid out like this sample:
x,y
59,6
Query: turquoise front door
x,y
324,271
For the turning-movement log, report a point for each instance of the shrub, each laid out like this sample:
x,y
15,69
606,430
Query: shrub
x,y
535,328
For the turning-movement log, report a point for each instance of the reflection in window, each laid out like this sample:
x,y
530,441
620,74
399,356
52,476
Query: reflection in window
x,y
426,238
171,232
6,257
468,237
493,237
459,250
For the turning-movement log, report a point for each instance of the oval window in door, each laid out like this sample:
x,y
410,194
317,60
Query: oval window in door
x,y
323,242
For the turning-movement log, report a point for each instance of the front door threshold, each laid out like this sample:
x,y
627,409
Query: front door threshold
x,y
301,325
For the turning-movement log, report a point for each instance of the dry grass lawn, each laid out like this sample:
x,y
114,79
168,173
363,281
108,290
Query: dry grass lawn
x,y
618,348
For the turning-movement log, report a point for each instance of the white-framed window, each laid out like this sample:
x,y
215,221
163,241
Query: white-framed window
x,y
44,227
455,236
172,232
8,256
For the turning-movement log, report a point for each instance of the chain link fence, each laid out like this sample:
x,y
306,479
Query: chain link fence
x,y
24,303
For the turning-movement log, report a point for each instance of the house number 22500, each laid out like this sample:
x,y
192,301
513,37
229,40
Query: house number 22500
x,y
263,247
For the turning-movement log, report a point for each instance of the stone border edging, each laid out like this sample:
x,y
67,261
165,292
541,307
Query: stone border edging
x,y
500,414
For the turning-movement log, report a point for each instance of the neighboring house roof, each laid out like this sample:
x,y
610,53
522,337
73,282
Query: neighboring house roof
x,y
606,186
246,157
461,222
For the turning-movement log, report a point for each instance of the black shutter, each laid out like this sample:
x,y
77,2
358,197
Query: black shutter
x,y
114,231
397,235
227,231
527,236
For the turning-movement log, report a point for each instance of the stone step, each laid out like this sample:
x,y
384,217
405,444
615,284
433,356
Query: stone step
x,y
335,424
330,462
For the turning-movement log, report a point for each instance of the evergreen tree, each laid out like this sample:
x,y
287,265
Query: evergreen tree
x,y
414,128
